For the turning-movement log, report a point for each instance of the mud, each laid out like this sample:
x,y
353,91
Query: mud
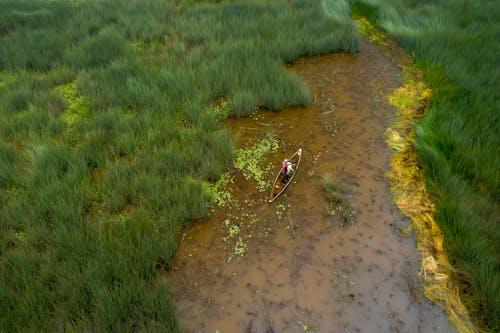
x,y
299,267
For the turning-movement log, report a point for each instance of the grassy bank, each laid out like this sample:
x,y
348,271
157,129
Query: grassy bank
x,y
455,43
110,116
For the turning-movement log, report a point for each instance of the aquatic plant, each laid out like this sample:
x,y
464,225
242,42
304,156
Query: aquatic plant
x,y
249,160
239,246
218,191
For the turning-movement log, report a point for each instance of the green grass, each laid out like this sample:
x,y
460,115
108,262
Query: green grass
x,y
110,124
455,44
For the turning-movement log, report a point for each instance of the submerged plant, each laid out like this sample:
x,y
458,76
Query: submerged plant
x,y
339,202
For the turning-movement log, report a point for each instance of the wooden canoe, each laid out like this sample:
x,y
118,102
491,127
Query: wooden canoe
x,y
278,186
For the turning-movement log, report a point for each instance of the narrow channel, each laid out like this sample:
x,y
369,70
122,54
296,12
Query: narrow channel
x,y
304,267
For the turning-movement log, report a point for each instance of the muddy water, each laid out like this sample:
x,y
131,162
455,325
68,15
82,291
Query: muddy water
x,y
305,269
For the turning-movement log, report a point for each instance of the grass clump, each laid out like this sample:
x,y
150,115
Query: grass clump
x,y
97,50
242,104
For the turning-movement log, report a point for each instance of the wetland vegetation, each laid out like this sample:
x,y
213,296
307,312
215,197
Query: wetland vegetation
x,y
111,137
110,124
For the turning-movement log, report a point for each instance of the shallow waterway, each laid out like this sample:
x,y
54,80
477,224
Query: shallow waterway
x,y
293,266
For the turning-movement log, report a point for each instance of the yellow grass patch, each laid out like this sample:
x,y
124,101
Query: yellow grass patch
x,y
412,198
370,32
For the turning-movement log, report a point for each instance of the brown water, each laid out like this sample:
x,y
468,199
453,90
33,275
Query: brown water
x,y
305,270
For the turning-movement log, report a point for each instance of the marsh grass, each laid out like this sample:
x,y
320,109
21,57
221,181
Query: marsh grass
x,y
457,140
107,133
96,50
8,166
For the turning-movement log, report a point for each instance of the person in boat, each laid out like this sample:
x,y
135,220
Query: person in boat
x,y
286,170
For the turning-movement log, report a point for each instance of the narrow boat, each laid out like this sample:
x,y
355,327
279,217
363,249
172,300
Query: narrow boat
x,y
278,185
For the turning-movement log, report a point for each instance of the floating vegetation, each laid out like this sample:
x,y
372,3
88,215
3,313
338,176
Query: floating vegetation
x,y
280,210
240,246
249,161
218,191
